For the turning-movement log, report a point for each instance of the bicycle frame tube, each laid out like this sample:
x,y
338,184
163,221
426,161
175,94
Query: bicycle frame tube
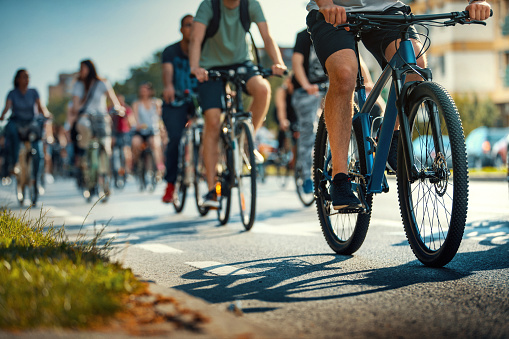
x,y
376,165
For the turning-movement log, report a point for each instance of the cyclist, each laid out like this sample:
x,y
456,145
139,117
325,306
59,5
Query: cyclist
x,y
307,99
89,99
22,102
122,132
228,49
176,80
285,113
334,49
147,113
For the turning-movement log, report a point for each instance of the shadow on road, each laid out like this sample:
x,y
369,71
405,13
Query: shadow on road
x,y
268,284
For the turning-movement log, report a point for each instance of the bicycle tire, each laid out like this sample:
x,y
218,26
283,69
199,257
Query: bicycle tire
x,y
347,231
200,181
179,199
33,188
104,184
307,199
449,205
224,180
246,175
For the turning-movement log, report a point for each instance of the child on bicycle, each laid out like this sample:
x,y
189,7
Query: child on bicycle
x,y
335,50
228,49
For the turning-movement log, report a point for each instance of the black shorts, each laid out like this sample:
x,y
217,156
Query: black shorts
x,y
212,92
327,40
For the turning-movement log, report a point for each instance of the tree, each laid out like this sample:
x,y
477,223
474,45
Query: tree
x,y
475,112
58,107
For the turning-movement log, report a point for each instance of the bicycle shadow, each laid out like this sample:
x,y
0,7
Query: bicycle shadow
x,y
268,284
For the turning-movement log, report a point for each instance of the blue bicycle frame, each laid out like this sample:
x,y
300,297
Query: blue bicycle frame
x,y
403,62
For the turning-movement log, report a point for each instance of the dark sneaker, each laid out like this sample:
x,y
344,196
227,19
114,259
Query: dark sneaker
x,y
341,193
210,200
307,186
392,158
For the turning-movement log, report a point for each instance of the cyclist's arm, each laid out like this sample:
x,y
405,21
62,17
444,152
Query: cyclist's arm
x,y
8,105
113,97
42,109
135,115
272,49
197,36
169,89
158,107
478,10
280,101
300,73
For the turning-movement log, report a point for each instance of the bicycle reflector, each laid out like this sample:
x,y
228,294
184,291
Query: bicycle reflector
x,y
218,189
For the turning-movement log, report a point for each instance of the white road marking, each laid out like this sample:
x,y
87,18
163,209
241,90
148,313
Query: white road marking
x,y
307,229
158,248
218,268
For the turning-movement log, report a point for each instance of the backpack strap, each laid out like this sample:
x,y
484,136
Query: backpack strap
x,y
213,25
244,15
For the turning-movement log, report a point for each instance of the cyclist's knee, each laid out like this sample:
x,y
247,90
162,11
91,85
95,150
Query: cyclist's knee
x,y
259,88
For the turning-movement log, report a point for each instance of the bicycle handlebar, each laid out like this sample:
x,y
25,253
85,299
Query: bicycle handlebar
x,y
231,74
360,19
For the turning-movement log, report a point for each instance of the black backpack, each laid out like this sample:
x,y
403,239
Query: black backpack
x,y
245,20
213,25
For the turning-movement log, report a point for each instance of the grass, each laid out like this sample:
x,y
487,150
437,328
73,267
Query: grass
x,y
47,281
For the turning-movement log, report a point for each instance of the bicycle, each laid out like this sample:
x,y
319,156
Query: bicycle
x,y
95,165
236,167
433,197
306,198
27,176
118,164
190,169
146,168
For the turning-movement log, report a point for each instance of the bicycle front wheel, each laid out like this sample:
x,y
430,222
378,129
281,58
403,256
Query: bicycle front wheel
x,y
200,181
434,206
224,182
344,232
246,175
179,198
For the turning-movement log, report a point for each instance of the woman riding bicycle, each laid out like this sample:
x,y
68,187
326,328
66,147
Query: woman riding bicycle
x,y
22,102
147,113
89,112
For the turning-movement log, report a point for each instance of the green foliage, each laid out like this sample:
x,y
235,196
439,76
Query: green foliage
x,y
47,282
150,71
477,112
58,107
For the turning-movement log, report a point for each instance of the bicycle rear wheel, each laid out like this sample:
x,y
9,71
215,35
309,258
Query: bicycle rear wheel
x,y
344,232
434,207
224,181
246,175
32,180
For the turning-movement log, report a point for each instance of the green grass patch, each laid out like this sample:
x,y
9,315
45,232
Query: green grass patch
x,y
48,281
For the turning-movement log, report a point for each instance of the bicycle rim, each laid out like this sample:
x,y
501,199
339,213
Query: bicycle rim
x,y
179,198
434,207
246,176
223,183
344,232
200,182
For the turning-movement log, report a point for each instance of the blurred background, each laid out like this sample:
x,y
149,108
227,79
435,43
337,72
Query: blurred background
x,y
125,38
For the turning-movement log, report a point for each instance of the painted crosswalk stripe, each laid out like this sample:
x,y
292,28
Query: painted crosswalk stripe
x,y
218,268
158,248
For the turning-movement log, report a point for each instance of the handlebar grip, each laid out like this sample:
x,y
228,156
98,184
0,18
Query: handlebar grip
x,y
468,14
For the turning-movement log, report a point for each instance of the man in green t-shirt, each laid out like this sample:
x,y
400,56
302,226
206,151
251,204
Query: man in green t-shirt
x,y
228,48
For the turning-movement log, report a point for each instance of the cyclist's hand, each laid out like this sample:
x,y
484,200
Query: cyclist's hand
x,y
311,89
284,125
278,69
334,14
200,73
169,94
479,10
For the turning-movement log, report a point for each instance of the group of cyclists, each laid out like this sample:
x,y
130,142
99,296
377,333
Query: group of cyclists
x,y
216,39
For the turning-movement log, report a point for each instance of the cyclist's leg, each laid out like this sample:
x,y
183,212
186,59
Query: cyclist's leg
x,y
136,143
37,158
306,107
13,144
259,89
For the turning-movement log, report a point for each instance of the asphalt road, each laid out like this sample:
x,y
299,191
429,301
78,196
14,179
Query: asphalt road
x,y
283,275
